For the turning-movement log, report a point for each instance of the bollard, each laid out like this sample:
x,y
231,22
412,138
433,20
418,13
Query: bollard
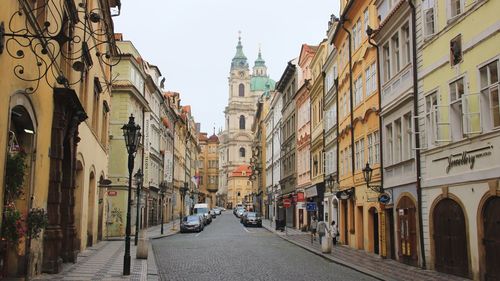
x,y
142,245
326,244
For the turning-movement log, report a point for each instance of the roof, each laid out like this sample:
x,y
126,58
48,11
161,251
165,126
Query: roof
x,y
242,171
213,138
262,83
239,59
202,136
186,108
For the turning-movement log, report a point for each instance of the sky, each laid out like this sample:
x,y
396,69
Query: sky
x,y
193,41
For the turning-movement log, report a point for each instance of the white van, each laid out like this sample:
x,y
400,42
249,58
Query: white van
x,y
202,208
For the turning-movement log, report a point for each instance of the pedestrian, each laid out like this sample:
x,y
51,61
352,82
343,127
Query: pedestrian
x,y
322,229
334,232
313,226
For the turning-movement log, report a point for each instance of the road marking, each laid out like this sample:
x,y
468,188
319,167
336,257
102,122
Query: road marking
x,y
247,230
197,234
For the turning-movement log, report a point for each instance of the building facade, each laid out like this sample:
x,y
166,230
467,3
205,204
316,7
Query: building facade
x,y
209,168
458,109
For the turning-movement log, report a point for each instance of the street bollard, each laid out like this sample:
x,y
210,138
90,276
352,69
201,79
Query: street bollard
x,y
326,244
142,245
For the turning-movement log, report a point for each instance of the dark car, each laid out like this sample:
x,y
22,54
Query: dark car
x,y
191,223
252,218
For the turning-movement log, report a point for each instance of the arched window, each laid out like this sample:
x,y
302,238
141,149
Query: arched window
x,y
241,90
242,152
242,122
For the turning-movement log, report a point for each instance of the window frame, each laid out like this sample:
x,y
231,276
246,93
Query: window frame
x,y
485,92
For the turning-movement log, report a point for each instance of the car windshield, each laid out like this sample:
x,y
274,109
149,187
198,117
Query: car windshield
x,y
251,215
200,210
191,218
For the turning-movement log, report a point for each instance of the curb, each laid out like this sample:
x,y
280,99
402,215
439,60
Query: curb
x,y
164,235
335,260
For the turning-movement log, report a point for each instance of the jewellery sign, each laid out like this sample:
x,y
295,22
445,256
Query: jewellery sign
x,y
466,158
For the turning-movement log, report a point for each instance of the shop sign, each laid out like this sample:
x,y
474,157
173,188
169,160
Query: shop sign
x,y
311,206
466,158
300,197
312,191
112,193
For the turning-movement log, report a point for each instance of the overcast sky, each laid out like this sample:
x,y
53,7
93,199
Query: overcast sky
x,y
193,42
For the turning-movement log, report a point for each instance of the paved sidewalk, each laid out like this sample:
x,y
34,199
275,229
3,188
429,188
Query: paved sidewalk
x,y
104,260
368,263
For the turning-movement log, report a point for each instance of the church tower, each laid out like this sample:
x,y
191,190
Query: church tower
x,y
244,91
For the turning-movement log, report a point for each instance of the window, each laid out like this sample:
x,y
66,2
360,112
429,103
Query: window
x,y
387,62
390,144
398,149
376,150
358,91
406,44
366,20
359,147
428,17
349,159
456,110
358,32
355,36
489,89
341,168
242,122
408,151
95,104
396,65
242,152
431,116
455,7
105,122
241,90
456,50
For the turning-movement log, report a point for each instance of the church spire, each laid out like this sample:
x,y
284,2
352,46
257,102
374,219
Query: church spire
x,y
259,68
239,59
259,61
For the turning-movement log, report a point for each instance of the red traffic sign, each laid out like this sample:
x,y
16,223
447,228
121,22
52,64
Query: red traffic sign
x,y
287,203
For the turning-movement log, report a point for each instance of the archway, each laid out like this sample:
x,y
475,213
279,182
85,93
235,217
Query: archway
x,y
450,241
100,214
90,209
374,230
407,231
79,194
491,222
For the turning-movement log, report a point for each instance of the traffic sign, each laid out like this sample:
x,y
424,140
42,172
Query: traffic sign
x,y
287,203
311,206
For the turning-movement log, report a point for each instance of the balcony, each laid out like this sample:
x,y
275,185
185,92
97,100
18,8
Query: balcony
x,y
397,85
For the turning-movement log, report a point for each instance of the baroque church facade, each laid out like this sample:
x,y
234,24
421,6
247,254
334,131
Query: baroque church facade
x,y
235,150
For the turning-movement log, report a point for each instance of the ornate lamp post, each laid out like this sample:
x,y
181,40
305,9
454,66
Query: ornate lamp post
x,y
132,135
138,176
383,197
163,190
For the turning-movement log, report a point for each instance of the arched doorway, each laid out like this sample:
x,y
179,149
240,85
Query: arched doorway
x,y
100,214
90,210
450,241
79,194
374,231
491,221
407,231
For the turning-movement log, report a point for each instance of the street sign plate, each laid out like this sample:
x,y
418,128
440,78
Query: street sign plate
x,y
112,193
287,203
311,206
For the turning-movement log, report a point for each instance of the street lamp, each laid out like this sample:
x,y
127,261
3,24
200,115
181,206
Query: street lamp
x,y
132,136
138,176
330,182
183,191
163,189
367,174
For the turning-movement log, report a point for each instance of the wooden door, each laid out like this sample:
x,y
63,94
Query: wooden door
x,y
450,241
407,232
491,240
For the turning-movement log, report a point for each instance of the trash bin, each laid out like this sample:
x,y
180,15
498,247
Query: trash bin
x,y
280,225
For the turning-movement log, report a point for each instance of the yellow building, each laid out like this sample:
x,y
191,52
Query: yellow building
x,y
43,90
360,224
459,107
209,168
239,187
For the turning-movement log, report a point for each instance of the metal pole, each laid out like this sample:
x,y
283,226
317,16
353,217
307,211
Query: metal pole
x,y
126,257
162,203
137,224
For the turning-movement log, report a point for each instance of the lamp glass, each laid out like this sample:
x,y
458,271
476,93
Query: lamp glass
x,y
367,173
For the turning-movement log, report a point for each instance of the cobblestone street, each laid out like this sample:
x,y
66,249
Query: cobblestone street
x,y
226,250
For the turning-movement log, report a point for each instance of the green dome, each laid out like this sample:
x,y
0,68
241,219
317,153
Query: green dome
x,y
259,61
262,83
239,59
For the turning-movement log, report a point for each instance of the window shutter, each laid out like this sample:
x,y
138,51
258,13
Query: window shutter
x,y
443,125
421,135
471,113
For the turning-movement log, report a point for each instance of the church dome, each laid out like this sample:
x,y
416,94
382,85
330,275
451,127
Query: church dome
x,y
262,83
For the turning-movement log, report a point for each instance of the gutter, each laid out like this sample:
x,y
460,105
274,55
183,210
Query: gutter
x,y
417,130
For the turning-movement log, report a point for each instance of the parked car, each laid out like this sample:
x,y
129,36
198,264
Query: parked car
x,y
239,212
212,213
191,223
217,211
243,216
252,218
203,209
203,219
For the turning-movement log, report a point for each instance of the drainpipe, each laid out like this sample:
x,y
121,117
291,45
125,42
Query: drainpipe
x,y
323,74
351,106
337,139
369,32
417,129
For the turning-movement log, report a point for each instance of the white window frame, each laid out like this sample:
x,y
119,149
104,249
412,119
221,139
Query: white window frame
x,y
428,6
358,90
456,108
449,9
366,20
376,146
486,94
